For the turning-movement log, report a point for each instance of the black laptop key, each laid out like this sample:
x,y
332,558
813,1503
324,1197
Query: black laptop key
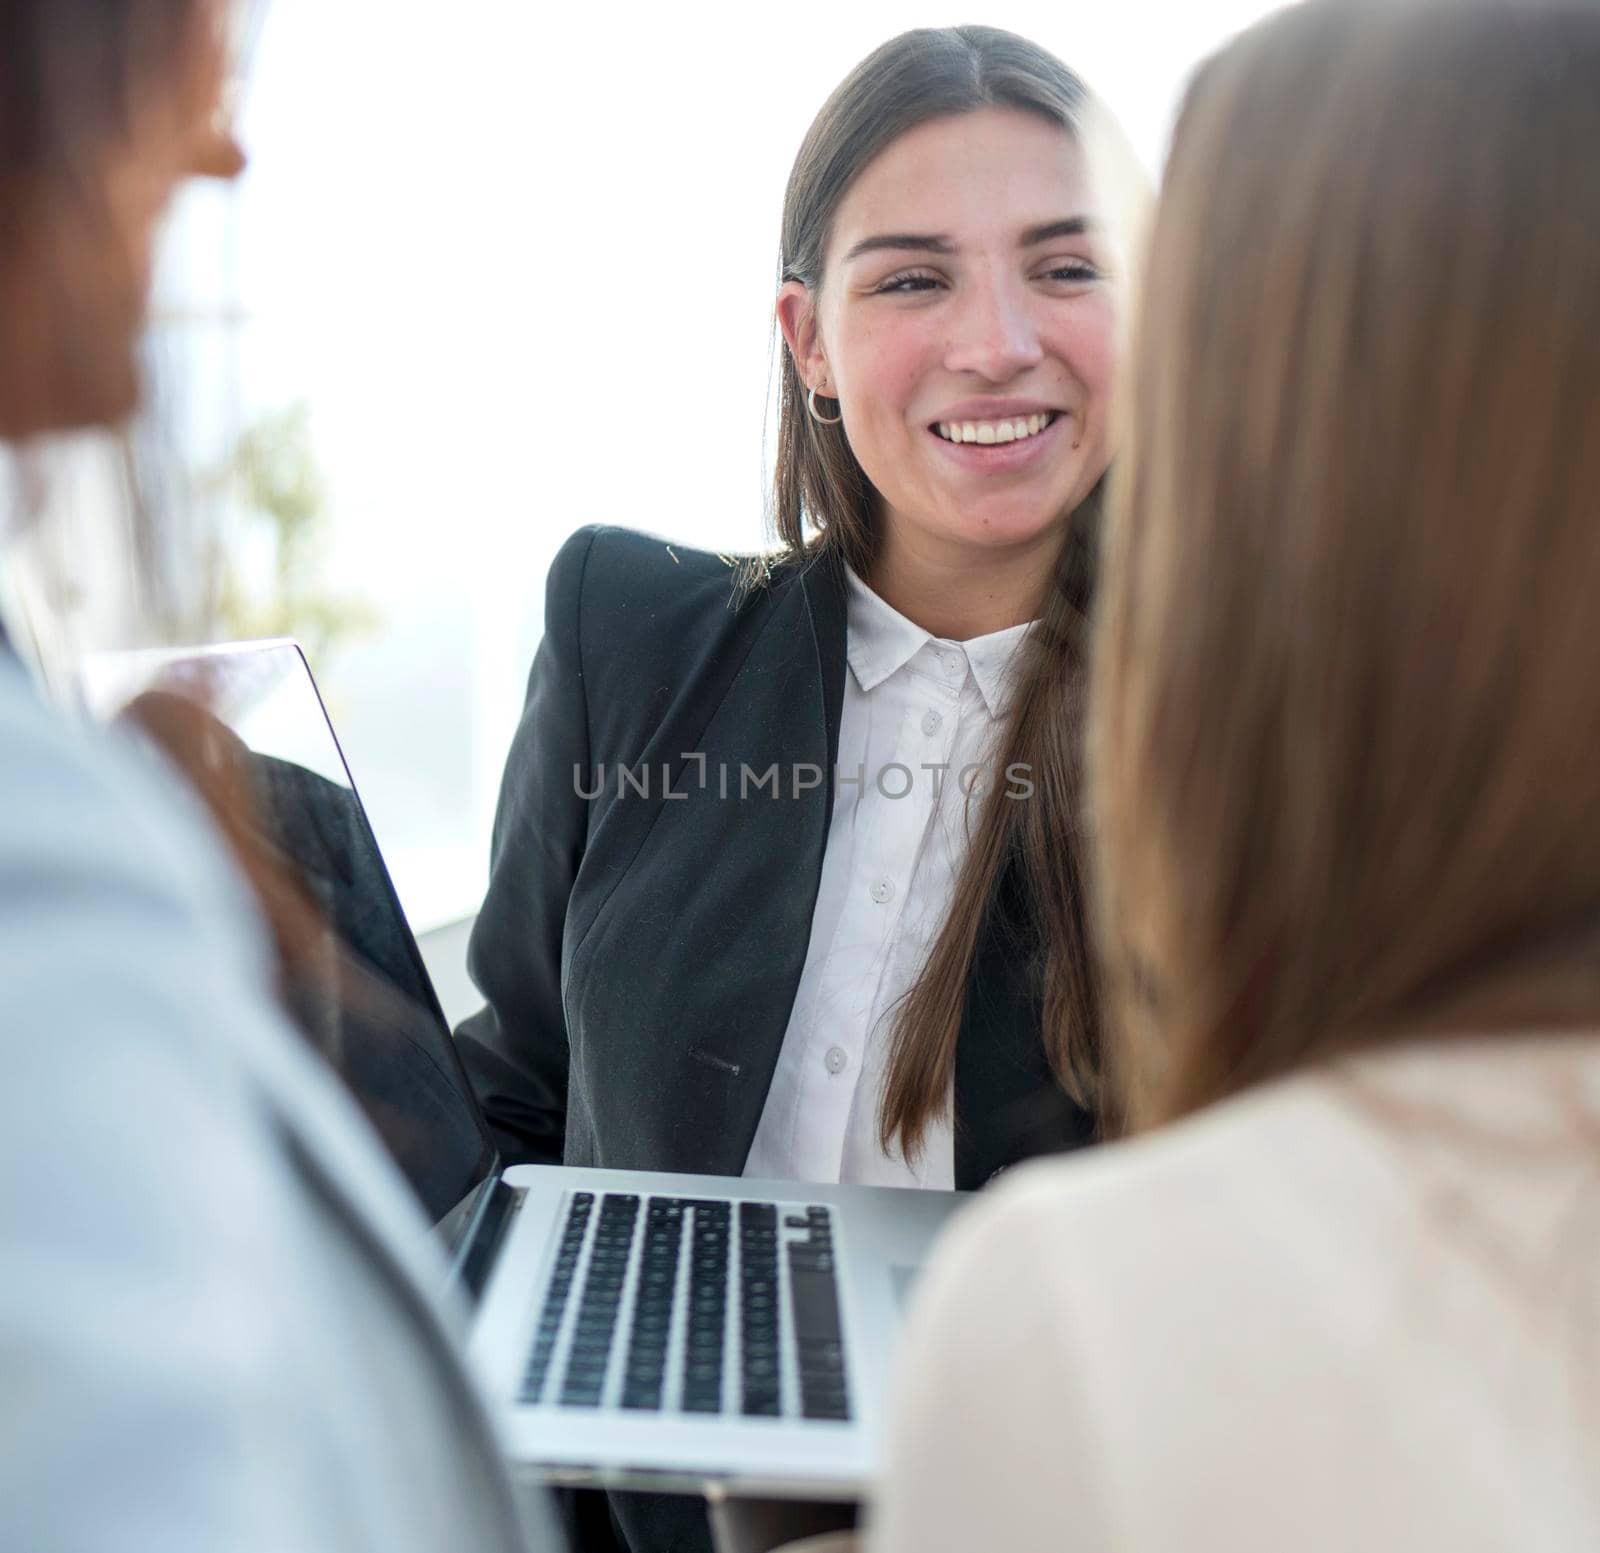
x,y
820,1358
828,1412
819,1340
814,1298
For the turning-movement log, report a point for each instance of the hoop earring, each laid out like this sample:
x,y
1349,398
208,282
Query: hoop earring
x,y
821,420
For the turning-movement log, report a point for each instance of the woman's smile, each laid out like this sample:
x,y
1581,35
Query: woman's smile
x,y
1004,438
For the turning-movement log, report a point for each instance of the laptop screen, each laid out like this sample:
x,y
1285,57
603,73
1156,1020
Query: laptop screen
x,y
355,979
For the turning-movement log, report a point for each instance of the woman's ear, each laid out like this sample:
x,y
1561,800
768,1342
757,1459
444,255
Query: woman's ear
x,y
797,317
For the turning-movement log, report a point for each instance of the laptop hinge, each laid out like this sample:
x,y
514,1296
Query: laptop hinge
x,y
503,1206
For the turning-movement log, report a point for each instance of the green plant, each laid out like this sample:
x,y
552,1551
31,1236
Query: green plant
x,y
271,580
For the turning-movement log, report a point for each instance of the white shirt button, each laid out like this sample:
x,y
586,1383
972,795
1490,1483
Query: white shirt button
x,y
882,891
836,1060
931,721
955,666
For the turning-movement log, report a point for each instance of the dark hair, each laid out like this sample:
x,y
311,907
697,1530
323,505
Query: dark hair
x,y
1345,707
72,74
917,77
76,77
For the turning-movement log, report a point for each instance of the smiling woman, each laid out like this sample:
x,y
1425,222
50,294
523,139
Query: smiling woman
x,y
962,260
876,970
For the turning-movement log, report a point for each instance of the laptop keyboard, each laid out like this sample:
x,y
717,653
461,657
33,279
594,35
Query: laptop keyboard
x,y
691,1306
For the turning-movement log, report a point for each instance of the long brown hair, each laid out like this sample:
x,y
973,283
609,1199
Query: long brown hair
x,y
73,76
1345,701
83,83
914,78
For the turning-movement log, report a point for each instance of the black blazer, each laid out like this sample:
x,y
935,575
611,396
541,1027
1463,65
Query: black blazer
x,y
640,954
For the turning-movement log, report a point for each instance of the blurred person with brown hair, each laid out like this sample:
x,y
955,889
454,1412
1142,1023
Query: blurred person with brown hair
x,y
218,1326
1345,710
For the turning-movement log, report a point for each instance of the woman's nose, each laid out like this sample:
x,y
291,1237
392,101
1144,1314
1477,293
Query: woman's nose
x,y
217,154
995,335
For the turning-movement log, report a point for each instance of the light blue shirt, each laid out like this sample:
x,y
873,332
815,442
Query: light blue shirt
x,y
217,1330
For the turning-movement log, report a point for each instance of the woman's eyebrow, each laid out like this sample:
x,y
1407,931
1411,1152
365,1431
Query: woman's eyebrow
x,y
910,241
916,242
1073,226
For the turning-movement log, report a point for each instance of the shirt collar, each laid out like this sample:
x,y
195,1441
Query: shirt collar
x,y
994,660
881,641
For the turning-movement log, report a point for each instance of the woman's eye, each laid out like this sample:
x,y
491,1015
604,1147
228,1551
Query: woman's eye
x,y
1073,271
907,283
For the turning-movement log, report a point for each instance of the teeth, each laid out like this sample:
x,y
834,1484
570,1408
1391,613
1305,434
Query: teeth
x,y
990,432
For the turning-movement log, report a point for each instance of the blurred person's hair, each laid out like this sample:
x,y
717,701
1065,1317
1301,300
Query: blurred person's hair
x,y
72,76
913,79
1345,704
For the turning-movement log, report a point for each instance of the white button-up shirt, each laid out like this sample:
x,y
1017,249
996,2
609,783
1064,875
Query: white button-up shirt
x,y
918,713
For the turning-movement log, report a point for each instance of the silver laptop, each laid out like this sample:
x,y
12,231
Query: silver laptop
x,y
637,1329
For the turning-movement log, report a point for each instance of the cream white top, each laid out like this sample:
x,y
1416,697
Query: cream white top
x,y
918,712
1357,1310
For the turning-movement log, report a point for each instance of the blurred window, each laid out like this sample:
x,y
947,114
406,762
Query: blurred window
x,y
497,271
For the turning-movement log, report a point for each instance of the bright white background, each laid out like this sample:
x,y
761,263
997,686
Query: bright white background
x,y
519,259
